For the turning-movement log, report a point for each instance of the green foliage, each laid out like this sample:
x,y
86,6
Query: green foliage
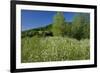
x,y
40,32
58,27
54,49
68,29
81,26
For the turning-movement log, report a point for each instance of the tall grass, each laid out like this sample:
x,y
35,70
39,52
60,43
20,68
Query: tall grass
x,y
54,49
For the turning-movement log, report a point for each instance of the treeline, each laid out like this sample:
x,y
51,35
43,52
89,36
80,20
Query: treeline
x,y
79,28
39,32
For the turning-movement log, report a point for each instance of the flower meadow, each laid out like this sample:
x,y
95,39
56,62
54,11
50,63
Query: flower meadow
x,y
55,48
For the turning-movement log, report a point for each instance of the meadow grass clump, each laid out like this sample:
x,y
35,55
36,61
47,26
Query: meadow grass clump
x,y
45,49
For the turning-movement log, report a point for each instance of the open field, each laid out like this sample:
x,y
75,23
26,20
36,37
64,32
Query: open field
x,y
43,49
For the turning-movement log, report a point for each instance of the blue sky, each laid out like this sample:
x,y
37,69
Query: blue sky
x,y
35,19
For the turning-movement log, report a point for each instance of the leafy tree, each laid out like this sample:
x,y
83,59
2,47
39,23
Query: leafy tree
x,y
81,26
58,27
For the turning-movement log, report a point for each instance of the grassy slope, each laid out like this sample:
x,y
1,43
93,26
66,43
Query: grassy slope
x,y
54,49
